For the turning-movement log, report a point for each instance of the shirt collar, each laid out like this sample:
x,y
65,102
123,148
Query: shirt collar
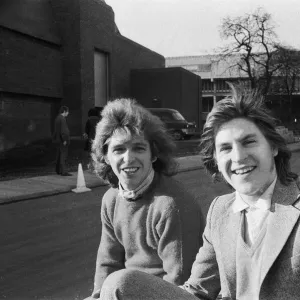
x,y
263,203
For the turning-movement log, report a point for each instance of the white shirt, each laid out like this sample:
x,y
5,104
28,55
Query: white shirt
x,y
255,215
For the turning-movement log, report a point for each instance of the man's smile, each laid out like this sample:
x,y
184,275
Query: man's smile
x,y
130,170
243,170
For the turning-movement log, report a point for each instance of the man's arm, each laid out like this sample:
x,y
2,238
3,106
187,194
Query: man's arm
x,y
170,248
111,254
204,281
87,128
64,131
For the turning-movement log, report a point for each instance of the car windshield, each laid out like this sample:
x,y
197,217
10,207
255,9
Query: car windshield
x,y
169,116
178,116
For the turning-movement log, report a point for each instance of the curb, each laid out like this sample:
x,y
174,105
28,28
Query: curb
x,y
35,195
68,188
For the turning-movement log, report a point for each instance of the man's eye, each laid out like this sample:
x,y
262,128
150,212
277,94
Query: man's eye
x,y
118,150
247,142
222,149
140,148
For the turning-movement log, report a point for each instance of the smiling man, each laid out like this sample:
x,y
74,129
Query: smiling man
x,y
252,236
251,241
150,222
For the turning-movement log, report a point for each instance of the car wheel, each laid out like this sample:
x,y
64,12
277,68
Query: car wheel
x,y
177,135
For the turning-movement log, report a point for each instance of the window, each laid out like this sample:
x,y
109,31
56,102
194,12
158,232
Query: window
x,y
221,85
207,85
101,78
207,104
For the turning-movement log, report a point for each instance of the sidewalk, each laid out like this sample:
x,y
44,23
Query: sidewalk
x,y
35,187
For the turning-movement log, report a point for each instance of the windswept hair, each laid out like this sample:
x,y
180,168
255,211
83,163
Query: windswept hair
x,y
248,105
133,119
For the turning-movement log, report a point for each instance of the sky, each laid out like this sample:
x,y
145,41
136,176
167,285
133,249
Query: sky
x,y
191,27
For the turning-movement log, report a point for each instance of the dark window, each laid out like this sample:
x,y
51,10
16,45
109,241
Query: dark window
x,y
221,85
207,104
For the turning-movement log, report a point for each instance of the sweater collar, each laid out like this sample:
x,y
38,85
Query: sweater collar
x,y
136,193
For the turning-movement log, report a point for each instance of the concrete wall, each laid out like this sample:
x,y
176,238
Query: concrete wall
x,y
169,88
191,104
29,65
31,72
67,19
97,29
24,119
127,55
47,58
156,88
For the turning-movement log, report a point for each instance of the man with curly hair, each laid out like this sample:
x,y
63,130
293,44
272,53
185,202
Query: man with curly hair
x,y
150,222
251,241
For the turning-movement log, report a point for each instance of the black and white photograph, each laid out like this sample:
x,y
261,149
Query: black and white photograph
x,y
149,150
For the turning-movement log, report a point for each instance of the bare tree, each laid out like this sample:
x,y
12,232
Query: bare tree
x,y
252,40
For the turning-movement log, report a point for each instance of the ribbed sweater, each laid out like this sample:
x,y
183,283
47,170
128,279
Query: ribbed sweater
x,y
159,233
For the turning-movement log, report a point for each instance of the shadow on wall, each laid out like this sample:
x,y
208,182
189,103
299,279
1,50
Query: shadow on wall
x,y
39,153
23,121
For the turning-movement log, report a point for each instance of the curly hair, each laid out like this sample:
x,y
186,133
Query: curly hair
x,y
128,115
247,104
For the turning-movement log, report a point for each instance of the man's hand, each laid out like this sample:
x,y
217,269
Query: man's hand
x,y
65,143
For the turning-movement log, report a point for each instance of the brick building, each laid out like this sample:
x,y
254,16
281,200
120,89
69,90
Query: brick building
x,y
61,52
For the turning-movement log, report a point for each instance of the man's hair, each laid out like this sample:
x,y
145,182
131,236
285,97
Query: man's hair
x,y
63,109
128,115
93,112
247,104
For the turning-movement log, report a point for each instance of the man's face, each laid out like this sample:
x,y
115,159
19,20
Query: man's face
x,y
66,113
244,157
129,158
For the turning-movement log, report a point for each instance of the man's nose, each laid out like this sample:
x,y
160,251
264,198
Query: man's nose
x,y
128,156
238,153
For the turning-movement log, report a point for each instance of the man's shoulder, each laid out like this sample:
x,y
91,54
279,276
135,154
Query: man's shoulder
x,y
223,203
226,197
110,195
59,117
109,198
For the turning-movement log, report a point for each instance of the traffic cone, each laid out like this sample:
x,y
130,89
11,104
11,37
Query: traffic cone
x,y
81,187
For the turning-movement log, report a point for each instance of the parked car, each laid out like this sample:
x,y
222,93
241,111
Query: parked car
x,y
176,124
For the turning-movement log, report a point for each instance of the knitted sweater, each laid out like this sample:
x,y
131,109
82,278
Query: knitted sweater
x,y
158,233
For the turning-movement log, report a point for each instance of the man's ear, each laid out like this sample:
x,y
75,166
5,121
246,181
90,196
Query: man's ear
x,y
275,151
154,158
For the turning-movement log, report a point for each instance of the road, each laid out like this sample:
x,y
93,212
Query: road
x,y
48,245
